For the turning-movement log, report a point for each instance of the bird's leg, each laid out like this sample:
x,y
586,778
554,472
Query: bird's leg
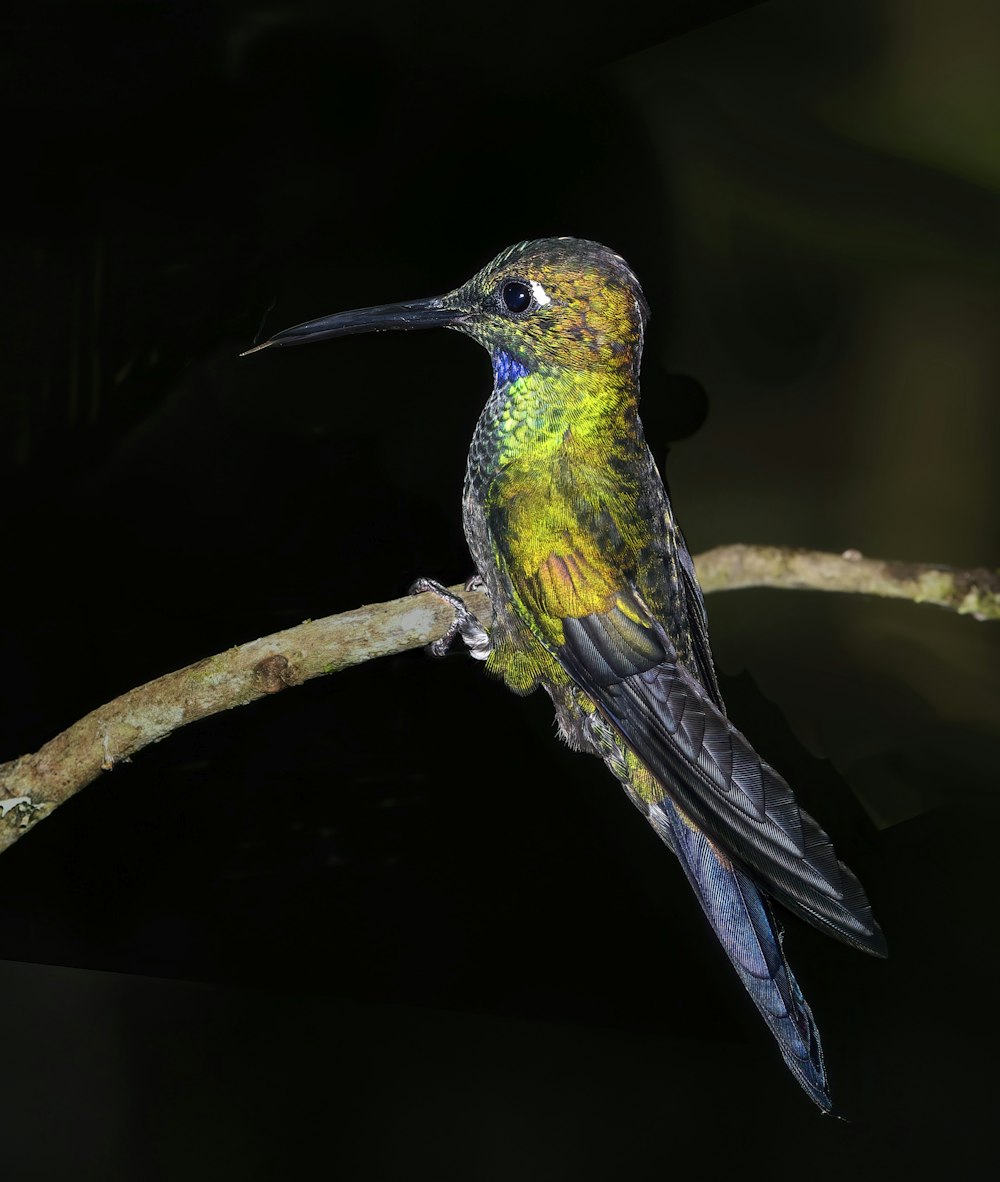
x,y
465,623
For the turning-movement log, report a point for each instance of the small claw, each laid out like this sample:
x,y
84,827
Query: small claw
x,y
475,636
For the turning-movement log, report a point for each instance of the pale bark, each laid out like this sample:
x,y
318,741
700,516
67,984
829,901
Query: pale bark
x,y
33,785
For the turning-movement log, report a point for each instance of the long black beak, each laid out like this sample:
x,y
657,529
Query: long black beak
x,y
432,313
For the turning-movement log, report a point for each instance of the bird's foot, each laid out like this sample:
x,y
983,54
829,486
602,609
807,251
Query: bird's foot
x,y
465,623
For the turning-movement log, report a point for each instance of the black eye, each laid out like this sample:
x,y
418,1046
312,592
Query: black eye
x,y
516,295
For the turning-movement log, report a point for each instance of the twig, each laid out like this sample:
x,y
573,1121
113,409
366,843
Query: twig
x,y
33,785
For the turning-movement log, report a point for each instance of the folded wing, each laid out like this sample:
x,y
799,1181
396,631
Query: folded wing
x,y
623,659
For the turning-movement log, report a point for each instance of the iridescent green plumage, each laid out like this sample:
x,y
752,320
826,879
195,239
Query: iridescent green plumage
x,y
595,599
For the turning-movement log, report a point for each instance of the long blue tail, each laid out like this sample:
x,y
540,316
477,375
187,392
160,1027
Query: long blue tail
x,y
748,931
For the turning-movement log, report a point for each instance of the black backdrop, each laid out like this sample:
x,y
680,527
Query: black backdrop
x,y
385,921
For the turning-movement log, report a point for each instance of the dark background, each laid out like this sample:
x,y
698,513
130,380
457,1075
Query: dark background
x,y
385,921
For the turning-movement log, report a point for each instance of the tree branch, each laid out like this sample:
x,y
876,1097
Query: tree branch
x,y
968,592
33,785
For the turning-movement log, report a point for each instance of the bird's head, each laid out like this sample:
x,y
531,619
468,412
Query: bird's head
x,y
555,303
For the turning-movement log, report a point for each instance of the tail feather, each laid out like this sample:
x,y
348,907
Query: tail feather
x,y
748,931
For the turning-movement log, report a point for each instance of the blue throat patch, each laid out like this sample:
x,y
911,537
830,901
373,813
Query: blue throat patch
x,y
506,369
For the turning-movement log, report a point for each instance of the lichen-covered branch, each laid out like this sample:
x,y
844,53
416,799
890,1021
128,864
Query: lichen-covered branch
x,y
33,785
969,592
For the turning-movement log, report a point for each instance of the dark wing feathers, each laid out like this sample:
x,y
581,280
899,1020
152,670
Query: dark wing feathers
x,y
671,723
697,622
613,646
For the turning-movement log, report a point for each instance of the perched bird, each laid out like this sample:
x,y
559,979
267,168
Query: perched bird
x,y
595,598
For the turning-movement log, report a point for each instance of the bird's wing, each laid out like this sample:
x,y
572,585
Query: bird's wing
x,y
749,933
609,642
697,619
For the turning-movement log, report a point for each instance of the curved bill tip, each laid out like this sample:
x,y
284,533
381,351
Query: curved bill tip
x,y
413,314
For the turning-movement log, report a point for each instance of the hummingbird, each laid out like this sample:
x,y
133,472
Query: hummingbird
x,y
594,597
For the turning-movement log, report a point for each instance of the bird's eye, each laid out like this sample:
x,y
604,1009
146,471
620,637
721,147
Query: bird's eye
x,y
516,295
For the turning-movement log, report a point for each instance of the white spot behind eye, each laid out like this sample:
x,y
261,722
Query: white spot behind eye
x,y
542,297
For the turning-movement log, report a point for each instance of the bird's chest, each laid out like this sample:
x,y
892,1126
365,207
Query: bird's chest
x,y
512,434
514,486
508,491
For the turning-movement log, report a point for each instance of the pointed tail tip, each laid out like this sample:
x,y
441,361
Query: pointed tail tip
x,y
255,349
